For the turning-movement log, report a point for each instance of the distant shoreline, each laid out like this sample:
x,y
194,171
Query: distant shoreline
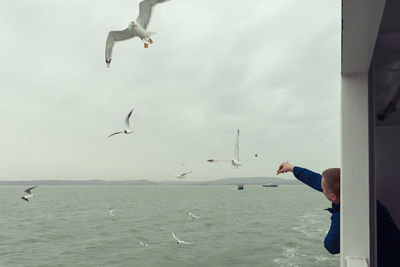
x,y
224,181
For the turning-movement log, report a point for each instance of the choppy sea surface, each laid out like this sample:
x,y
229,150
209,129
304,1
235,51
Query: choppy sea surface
x,y
70,226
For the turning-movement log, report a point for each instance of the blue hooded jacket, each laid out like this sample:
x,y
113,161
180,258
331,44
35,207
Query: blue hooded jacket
x,y
313,179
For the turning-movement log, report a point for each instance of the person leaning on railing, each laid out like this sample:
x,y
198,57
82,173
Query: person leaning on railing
x,y
388,234
329,184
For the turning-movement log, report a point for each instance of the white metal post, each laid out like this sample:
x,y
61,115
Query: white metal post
x,y
354,219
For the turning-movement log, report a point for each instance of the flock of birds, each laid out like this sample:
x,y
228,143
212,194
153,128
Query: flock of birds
x,y
192,216
235,161
139,28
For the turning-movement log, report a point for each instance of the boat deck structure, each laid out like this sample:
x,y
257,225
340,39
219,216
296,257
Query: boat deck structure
x,y
370,124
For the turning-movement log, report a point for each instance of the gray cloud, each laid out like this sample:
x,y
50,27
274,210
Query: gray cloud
x,y
268,67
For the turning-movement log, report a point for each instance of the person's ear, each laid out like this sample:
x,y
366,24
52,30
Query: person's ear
x,y
333,197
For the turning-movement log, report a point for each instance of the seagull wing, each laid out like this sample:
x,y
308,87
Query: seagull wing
x,y
177,239
236,148
29,190
145,8
114,36
183,174
109,205
127,119
114,134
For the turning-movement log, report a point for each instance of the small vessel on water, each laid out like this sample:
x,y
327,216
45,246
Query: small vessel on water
x,y
240,186
270,185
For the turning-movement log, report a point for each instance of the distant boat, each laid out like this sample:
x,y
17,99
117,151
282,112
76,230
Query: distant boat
x,y
270,185
240,186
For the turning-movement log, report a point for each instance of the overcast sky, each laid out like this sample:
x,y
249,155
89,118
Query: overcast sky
x,y
270,68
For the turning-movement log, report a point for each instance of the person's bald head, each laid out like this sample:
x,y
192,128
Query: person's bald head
x,y
330,184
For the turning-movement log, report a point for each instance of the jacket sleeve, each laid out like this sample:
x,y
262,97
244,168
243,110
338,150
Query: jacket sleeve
x,y
332,239
308,177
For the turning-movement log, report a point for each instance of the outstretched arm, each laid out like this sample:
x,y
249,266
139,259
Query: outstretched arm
x,y
308,177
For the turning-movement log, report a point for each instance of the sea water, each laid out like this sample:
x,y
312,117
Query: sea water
x,y
257,226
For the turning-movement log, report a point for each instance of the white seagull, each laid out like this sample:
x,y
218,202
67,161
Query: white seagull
x,y
109,209
192,215
183,175
128,128
29,194
143,244
178,241
135,28
235,161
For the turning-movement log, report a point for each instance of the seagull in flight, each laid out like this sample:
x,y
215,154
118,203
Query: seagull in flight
x,y
235,161
29,194
192,215
178,241
135,28
109,209
128,128
183,175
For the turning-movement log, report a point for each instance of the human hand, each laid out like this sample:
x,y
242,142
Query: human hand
x,y
284,167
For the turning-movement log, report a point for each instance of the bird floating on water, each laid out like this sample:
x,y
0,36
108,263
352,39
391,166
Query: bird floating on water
x,y
143,244
109,209
192,215
235,161
29,194
135,28
178,241
128,129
